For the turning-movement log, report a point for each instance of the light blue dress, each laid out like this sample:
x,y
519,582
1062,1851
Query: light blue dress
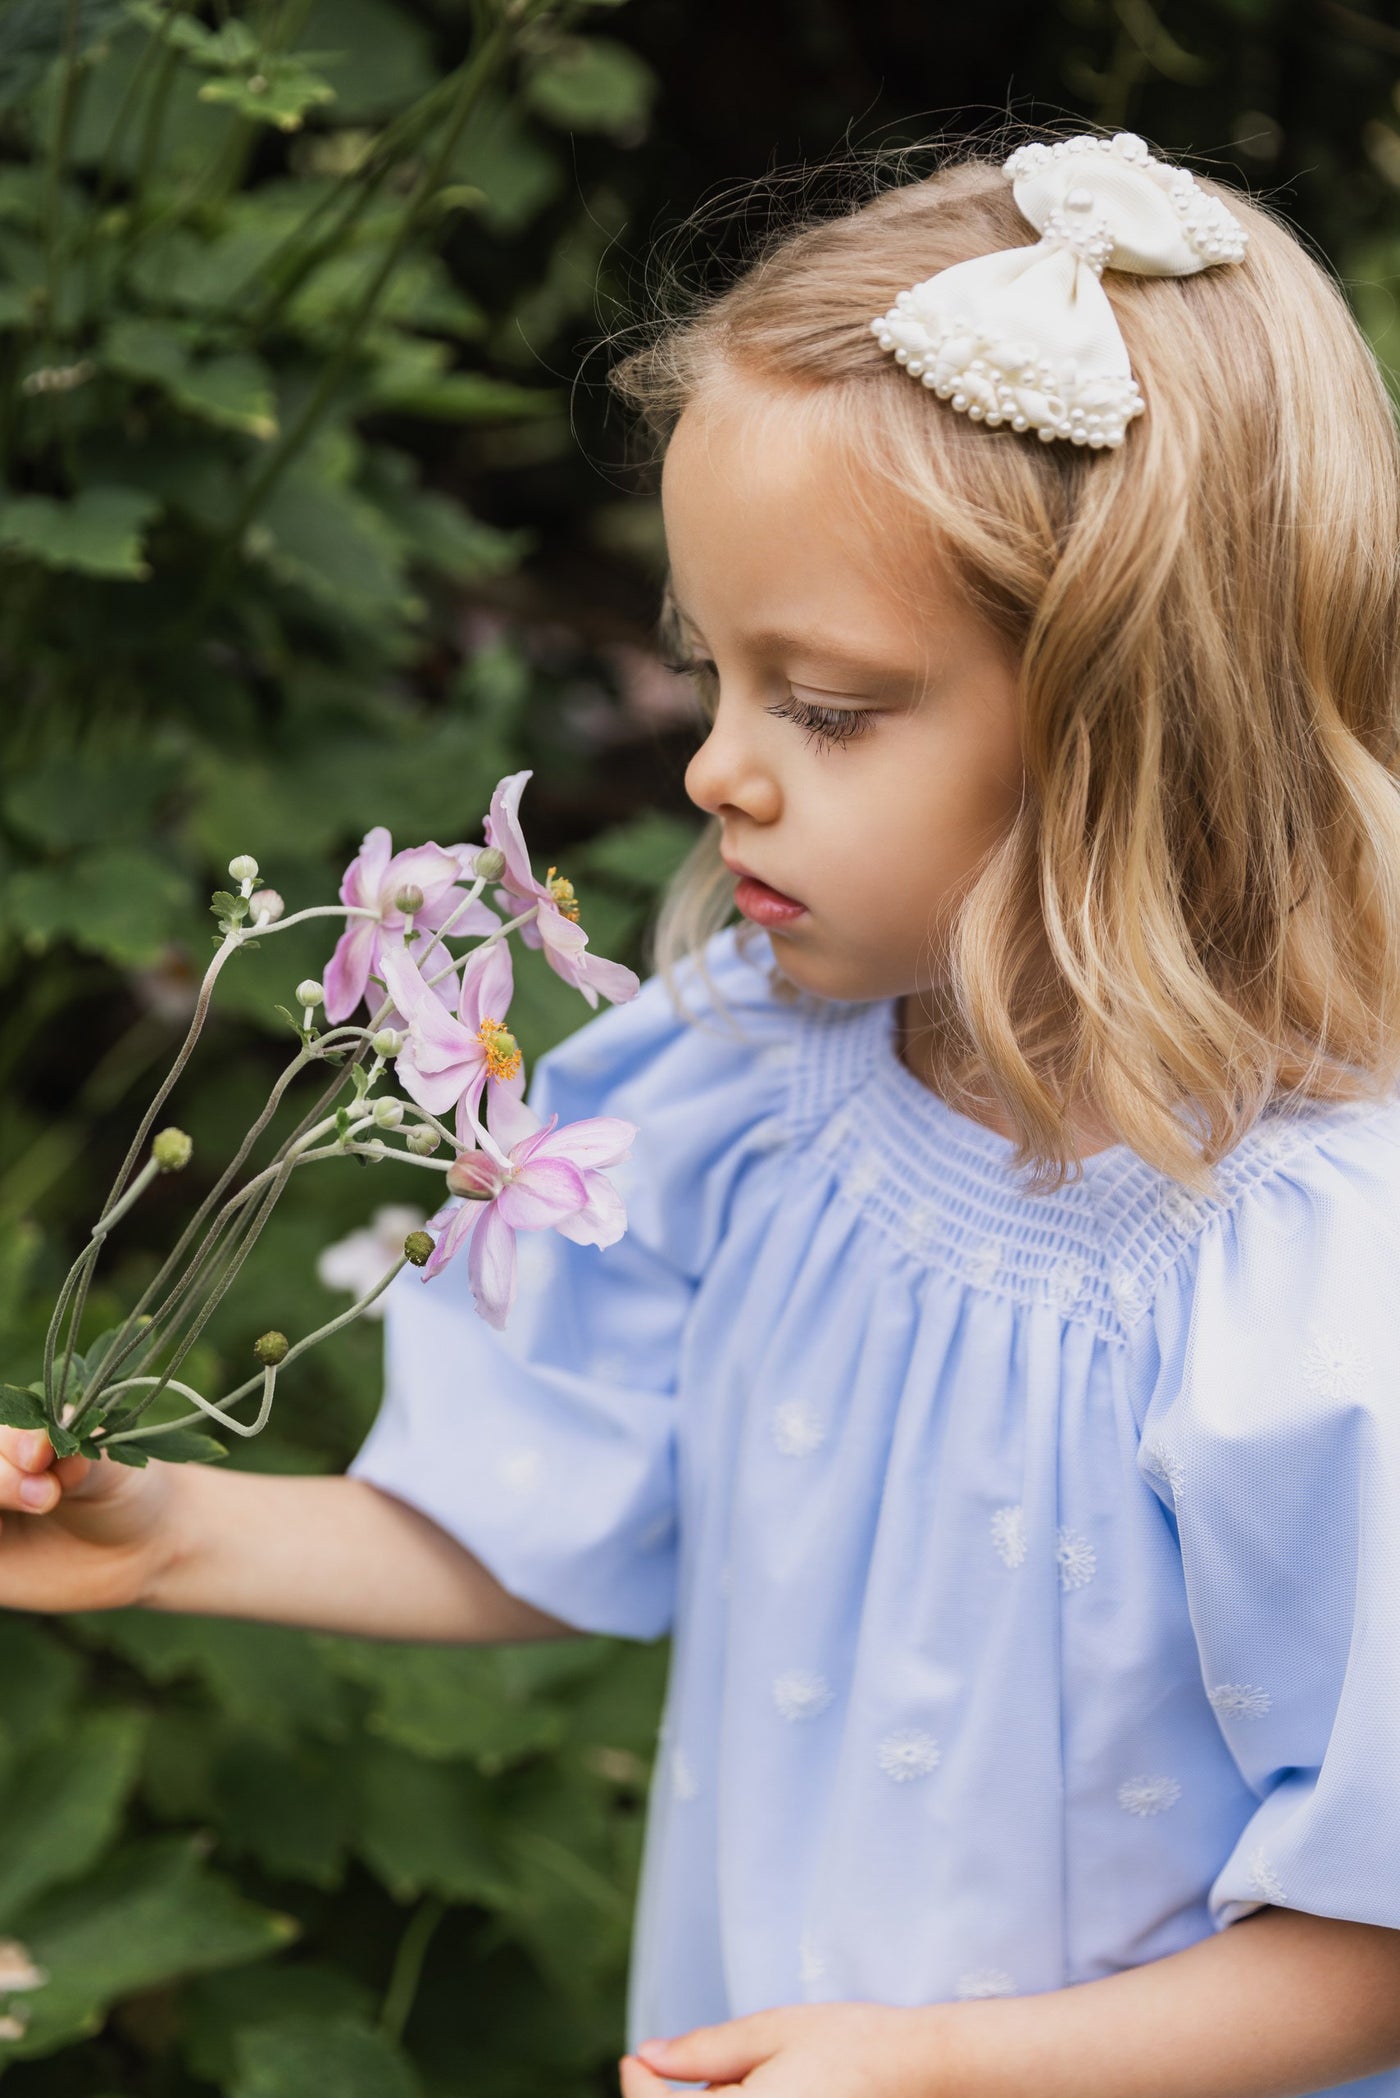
x,y
1033,1562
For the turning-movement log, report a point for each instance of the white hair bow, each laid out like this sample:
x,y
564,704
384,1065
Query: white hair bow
x,y
1026,336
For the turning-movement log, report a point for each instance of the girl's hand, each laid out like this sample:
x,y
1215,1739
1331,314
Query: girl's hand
x,y
75,1535
810,2050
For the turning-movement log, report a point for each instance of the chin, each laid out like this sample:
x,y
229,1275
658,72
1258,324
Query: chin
x,y
844,981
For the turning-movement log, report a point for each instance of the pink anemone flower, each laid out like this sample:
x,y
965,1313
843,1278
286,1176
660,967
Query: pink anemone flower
x,y
447,1059
372,881
555,928
550,1179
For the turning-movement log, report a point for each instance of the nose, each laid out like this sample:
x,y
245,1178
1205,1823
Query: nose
x,y
730,772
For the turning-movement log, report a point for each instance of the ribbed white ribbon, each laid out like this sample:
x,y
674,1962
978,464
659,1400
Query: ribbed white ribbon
x,y
1026,336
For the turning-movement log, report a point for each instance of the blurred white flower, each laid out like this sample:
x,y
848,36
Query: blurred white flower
x,y
357,1262
17,1970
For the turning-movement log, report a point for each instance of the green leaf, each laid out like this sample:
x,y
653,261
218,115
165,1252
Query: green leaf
x,y
310,2057
21,1409
333,544
99,532
426,1828
382,57
145,1918
95,797
592,84
280,93
65,1805
234,391
184,1446
42,1680
120,903
219,2009
130,1453
511,174
412,384
448,1702
645,853
232,44
290,1805
267,1679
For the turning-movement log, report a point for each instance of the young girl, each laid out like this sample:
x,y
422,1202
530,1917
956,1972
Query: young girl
x,y
994,1394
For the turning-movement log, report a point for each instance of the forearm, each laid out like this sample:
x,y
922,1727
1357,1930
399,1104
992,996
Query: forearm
x,y
331,1554
1279,2005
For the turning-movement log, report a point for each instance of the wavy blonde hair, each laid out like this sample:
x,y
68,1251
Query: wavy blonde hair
x,y
1197,910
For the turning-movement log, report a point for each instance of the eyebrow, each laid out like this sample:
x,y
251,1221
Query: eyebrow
x,y
828,648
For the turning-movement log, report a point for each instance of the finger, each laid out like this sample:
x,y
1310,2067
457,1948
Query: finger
x,y
28,1449
34,1493
71,1472
714,2053
635,2080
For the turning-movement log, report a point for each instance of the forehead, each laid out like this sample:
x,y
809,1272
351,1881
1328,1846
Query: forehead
x,y
772,524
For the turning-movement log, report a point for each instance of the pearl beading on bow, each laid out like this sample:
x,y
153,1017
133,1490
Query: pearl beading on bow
x,y
1025,337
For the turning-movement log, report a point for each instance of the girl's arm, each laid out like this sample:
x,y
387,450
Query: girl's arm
x,y
1279,2005
331,1554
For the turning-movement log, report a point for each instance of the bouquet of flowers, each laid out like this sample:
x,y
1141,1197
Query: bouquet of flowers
x,y
430,1066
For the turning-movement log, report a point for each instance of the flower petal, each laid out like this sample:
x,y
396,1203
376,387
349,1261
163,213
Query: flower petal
x,y
598,1140
454,1230
476,918
347,972
541,1193
488,984
614,979
504,832
360,884
425,867
491,1264
508,1118
603,1218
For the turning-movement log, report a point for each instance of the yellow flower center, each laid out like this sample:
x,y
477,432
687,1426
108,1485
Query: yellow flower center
x,y
562,890
502,1049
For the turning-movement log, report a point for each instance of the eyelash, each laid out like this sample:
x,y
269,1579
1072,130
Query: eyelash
x,y
833,726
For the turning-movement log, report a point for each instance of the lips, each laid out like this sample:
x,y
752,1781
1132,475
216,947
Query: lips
x,y
743,873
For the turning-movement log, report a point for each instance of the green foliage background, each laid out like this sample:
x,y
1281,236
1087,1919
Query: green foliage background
x,y
302,529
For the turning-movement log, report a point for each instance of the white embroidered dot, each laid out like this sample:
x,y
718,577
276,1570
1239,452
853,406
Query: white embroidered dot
x,y
919,1224
1145,1796
984,1981
811,1962
1180,1208
1240,1700
801,1694
1008,1528
1263,1880
1164,1466
1129,1296
684,1783
908,1754
864,1176
1334,1365
1065,1282
1076,1558
796,1429
983,1263
520,1469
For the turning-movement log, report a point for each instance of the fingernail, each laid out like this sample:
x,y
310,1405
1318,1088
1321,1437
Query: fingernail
x,y
37,1493
652,2050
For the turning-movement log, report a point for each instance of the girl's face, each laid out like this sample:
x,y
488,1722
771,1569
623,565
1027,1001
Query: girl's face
x,y
864,754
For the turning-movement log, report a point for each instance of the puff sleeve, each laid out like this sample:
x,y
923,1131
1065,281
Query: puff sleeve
x,y
548,1449
1272,1437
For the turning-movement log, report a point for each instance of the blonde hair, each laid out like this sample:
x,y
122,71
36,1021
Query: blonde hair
x,y
1208,627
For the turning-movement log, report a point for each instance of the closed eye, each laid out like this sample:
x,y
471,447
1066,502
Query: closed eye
x,y
832,726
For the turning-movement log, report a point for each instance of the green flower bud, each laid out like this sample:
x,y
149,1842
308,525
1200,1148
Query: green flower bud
x,y
422,1141
172,1150
490,863
387,1042
418,1249
309,992
271,1348
409,899
387,1114
244,867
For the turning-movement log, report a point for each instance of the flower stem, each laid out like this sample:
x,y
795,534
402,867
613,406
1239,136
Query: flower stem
x,y
264,1377
408,1965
